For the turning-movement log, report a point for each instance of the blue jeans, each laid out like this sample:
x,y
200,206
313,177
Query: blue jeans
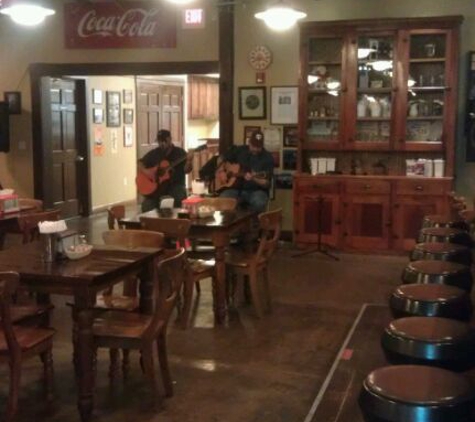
x,y
255,200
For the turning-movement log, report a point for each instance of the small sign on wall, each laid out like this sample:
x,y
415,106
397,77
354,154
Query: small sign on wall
x,y
193,18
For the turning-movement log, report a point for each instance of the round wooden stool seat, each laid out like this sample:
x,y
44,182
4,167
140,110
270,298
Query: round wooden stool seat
x,y
445,234
442,252
430,300
432,341
438,272
440,220
416,393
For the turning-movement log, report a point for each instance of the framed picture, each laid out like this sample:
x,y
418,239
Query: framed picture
x,y
96,96
284,105
291,137
252,103
128,116
289,160
248,131
128,96
97,115
113,109
128,136
13,99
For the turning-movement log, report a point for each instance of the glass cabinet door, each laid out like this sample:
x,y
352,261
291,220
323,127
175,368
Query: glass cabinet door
x,y
426,88
324,79
374,100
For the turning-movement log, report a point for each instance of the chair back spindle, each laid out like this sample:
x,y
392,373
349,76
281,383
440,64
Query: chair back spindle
x,y
169,278
8,285
270,224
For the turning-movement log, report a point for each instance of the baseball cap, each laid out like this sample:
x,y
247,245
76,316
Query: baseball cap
x,y
163,134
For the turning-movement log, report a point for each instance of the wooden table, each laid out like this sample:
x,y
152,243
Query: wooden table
x,y
218,229
83,279
9,222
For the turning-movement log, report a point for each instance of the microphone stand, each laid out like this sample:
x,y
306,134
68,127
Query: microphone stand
x,y
321,247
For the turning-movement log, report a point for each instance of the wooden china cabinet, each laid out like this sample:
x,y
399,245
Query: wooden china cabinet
x,y
377,106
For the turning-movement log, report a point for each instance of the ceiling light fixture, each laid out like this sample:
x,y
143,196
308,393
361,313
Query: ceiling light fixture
x,y
26,12
280,16
181,2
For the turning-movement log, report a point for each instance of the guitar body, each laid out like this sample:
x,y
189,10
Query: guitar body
x,y
226,176
148,180
229,175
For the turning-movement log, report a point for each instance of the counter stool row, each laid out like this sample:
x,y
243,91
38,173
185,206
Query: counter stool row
x,y
430,336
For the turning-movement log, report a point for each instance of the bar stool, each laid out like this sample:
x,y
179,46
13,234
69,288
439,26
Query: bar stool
x,y
432,341
438,272
431,300
416,393
445,234
447,220
442,252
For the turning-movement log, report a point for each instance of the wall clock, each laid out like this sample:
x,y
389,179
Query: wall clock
x,y
260,57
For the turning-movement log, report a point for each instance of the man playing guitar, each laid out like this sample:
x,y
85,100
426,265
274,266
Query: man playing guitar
x,y
170,179
257,167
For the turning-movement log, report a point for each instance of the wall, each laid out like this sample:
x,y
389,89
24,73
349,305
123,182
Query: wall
x,y
21,46
113,167
284,69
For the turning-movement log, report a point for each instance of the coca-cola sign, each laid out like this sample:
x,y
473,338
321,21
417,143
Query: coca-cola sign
x,y
125,24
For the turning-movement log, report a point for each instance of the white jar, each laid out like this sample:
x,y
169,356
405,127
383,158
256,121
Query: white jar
x,y
439,167
361,108
375,108
429,168
410,167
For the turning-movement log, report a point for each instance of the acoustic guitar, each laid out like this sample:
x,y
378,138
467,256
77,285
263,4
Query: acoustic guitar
x,y
148,180
228,175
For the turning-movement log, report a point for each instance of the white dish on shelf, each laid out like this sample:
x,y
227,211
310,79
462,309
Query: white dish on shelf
x,y
79,251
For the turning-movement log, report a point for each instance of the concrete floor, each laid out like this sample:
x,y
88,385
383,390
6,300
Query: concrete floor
x,y
249,370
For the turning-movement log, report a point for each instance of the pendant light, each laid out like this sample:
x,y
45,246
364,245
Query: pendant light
x,y
26,12
280,16
180,2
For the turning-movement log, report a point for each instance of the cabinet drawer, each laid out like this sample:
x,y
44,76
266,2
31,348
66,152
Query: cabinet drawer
x,y
422,187
368,186
318,185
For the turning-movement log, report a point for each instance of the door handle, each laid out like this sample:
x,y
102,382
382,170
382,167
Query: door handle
x,y
79,158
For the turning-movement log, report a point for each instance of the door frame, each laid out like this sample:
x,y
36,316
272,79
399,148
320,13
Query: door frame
x,y
40,70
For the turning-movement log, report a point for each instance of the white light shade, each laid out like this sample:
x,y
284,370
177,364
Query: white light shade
x,y
364,52
280,16
180,1
26,12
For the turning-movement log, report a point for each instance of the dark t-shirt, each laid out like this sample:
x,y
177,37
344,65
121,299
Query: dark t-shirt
x,y
177,176
255,163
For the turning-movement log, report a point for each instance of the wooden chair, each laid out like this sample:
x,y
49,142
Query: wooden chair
x,y
34,205
32,313
28,223
19,343
114,215
128,301
251,264
177,230
126,330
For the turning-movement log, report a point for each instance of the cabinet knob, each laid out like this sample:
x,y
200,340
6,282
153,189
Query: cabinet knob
x,y
419,188
367,187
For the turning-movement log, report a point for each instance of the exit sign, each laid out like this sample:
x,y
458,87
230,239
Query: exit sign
x,y
193,18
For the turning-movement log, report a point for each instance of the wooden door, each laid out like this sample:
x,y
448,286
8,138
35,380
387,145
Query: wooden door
x,y
409,211
64,177
318,214
366,222
148,116
172,112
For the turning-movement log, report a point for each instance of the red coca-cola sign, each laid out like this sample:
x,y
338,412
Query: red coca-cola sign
x,y
135,24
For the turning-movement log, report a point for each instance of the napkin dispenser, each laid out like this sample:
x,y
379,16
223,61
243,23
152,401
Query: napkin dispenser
x,y
9,203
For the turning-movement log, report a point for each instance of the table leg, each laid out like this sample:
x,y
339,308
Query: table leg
x,y
219,304
85,356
